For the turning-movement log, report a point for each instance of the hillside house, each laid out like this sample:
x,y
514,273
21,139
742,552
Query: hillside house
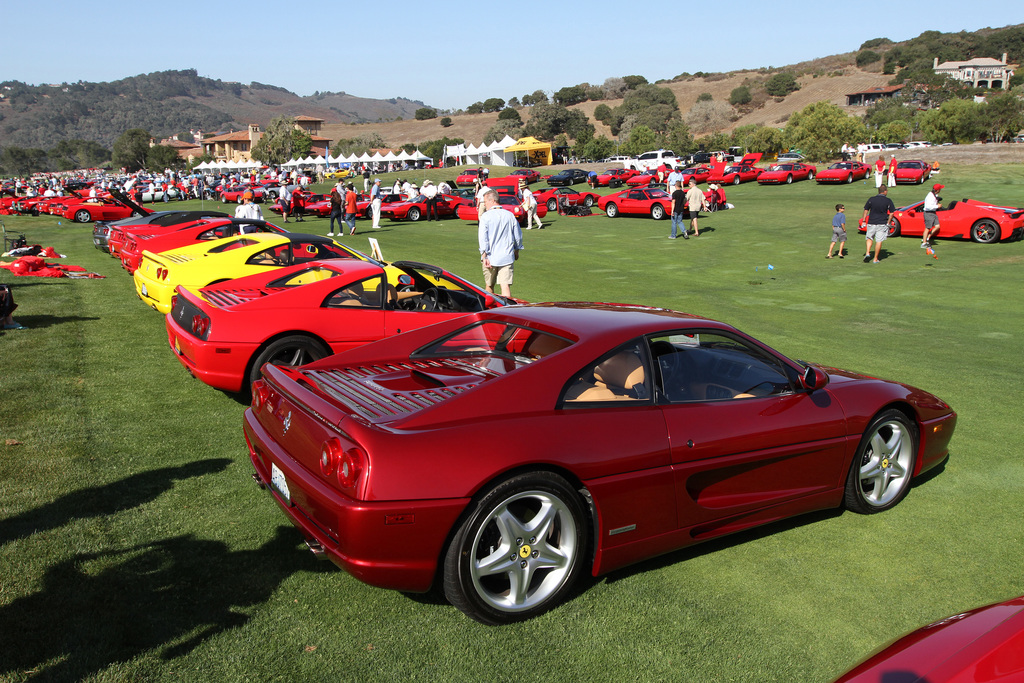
x,y
980,72
868,97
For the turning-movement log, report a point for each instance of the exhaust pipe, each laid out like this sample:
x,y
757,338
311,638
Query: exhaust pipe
x,y
317,549
259,481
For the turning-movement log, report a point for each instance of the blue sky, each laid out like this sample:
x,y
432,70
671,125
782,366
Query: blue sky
x,y
451,54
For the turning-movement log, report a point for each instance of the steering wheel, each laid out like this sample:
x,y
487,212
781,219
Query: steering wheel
x,y
407,303
428,301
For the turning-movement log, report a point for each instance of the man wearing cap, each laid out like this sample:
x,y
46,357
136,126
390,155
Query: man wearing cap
x,y
932,203
430,192
248,210
375,195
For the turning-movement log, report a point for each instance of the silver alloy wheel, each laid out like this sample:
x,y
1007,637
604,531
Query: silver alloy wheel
x,y
524,551
884,465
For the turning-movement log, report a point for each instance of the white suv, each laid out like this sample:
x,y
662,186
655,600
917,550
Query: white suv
x,y
649,160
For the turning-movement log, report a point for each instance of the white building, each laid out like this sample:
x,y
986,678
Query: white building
x,y
981,72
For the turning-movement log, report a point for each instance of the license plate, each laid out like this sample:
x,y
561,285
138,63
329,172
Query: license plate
x,y
144,292
279,483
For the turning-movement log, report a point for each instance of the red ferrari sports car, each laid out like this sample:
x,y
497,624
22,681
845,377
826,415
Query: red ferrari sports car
x,y
982,645
642,179
416,208
787,173
234,194
912,172
735,174
529,174
225,333
468,212
964,219
699,173
628,432
642,201
843,172
612,174
468,176
552,196
158,239
96,209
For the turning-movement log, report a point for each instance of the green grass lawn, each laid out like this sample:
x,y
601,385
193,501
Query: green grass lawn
x,y
134,544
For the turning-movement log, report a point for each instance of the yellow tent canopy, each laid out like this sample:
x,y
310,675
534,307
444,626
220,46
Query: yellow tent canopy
x,y
538,152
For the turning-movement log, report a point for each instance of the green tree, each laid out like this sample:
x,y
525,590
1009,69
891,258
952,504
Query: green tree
x,y
446,121
865,57
820,129
160,157
510,114
1003,116
781,84
569,95
514,103
597,148
549,120
475,108
302,143
425,113
276,144
678,138
955,121
649,105
131,148
502,128
492,104
641,139
634,82
894,131
740,96
603,113
888,109
23,161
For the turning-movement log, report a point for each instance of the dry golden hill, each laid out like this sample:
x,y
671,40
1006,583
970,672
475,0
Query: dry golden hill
x,y
827,85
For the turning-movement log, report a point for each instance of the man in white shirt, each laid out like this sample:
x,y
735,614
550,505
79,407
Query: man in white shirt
x,y
248,210
500,242
429,190
529,204
932,204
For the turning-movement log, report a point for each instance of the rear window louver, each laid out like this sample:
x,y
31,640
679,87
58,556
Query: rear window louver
x,y
178,258
356,390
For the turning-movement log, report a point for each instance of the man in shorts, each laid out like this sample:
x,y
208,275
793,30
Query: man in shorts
x,y
932,203
500,242
876,216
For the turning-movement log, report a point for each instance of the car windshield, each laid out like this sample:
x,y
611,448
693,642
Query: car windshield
x,y
781,167
657,194
841,166
492,339
909,164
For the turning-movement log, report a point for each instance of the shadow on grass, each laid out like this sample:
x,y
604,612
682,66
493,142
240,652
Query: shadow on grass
x,y
169,596
104,500
41,322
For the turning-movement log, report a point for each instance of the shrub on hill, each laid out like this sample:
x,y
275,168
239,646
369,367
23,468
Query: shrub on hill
x,y
781,84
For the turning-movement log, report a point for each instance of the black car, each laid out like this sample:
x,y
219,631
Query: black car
x,y
567,177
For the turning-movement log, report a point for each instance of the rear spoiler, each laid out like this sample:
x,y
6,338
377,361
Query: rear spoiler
x,y
126,201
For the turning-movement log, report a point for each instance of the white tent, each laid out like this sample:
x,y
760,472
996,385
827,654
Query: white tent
x,y
497,150
390,156
319,161
474,154
404,156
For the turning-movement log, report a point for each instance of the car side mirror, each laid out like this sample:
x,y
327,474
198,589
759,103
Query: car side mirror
x,y
814,379
404,280
911,213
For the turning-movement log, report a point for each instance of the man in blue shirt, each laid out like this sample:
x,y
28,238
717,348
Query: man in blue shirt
x,y
500,243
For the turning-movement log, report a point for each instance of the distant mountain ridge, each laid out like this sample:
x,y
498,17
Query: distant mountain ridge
x,y
165,103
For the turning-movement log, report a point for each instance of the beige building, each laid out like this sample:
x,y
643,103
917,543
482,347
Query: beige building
x,y
980,72
238,146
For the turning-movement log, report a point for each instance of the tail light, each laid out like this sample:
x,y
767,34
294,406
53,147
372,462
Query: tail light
x,y
348,463
330,456
200,325
260,394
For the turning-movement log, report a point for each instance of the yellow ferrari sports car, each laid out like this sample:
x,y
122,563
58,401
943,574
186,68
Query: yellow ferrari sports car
x,y
199,265
339,174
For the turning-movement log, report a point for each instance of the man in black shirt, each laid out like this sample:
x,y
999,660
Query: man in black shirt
x,y
876,215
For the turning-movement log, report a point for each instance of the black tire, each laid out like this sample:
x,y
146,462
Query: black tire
x,y
736,180
295,349
82,216
223,199
849,179
611,210
657,212
789,180
881,470
414,214
985,231
894,227
810,176
500,575
552,204
588,201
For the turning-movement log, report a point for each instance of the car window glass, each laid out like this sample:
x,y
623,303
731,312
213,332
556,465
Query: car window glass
x,y
367,293
304,276
511,345
234,244
619,375
275,256
711,366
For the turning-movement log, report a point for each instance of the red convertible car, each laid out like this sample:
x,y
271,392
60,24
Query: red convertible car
x,y
468,212
551,197
626,432
469,176
226,332
912,172
964,219
416,208
787,173
983,645
735,174
843,172
96,209
642,201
